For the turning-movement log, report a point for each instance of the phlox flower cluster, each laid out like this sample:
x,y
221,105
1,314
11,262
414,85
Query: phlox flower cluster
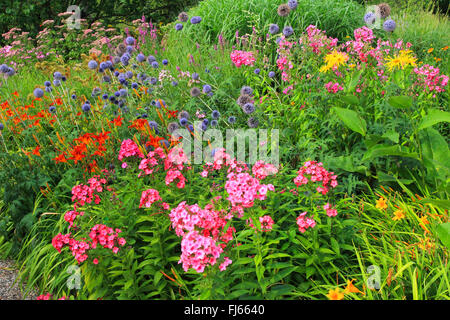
x,y
261,169
203,236
265,221
128,149
316,173
316,39
106,237
331,212
333,87
151,196
240,58
70,216
305,222
82,194
149,164
430,79
78,248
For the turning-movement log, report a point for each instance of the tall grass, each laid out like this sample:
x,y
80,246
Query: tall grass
x,y
337,17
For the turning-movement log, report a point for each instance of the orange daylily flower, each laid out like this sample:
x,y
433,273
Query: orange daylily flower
x,y
335,294
351,288
381,203
36,151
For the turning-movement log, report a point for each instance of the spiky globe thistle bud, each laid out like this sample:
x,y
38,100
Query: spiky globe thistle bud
x,y
283,10
385,10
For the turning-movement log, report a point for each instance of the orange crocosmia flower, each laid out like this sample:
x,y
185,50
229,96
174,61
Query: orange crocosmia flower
x,y
154,141
335,294
36,151
102,137
60,158
58,101
15,94
351,288
117,121
78,153
139,124
381,204
424,220
430,50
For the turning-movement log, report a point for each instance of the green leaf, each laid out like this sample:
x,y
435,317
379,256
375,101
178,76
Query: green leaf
x,y
386,150
433,117
443,232
352,120
443,204
435,151
392,135
350,99
400,101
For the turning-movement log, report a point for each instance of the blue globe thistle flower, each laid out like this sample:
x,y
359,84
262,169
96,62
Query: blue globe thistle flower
x,y
100,70
92,64
196,19
178,26
121,103
246,90
105,96
171,127
207,88
274,28
215,114
1,126
4,68
130,41
124,60
257,71
271,74
52,109
231,119
112,99
155,64
207,70
214,123
56,83
210,94
389,25
150,59
63,79
87,101
140,57
205,121
38,93
165,143
96,91
288,31
278,40
195,76
57,75
134,85
253,122
10,72
153,80
107,79
292,4
48,89
174,83
130,49
86,107
191,128
158,104
369,18
153,125
74,96
183,122
116,73
129,74
103,65
165,62
117,94
248,108
47,84
144,115
123,92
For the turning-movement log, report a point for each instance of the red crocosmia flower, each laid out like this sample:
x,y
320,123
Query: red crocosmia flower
x,y
102,137
139,124
117,121
172,114
36,151
78,153
58,101
85,139
154,141
15,94
60,158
